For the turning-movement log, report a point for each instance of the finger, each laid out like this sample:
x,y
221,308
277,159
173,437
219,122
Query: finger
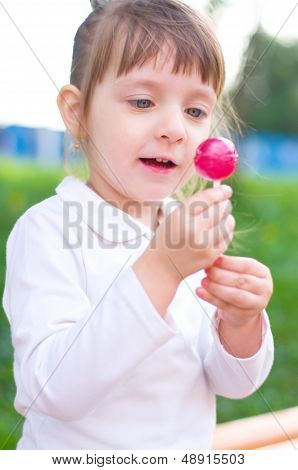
x,y
221,304
219,246
204,199
210,235
240,281
222,234
212,299
216,213
237,297
243,265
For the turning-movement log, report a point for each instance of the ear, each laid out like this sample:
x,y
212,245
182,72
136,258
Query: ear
x,y
68,101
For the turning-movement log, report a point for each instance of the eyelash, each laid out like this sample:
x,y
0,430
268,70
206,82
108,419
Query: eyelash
x,y
203,114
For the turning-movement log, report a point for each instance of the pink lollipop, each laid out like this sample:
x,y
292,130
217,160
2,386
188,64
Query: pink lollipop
x,y
216,159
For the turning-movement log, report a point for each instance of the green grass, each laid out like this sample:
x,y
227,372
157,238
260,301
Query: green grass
x,y
21,186
266,208
269,208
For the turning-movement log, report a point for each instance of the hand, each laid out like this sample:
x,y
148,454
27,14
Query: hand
x,y
240,287
195,234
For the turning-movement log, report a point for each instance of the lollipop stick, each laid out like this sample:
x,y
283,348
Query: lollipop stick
x,y
216,184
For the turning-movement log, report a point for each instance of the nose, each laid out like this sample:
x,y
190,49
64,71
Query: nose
x,y
172,126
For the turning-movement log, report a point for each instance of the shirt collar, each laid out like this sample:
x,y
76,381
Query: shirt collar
x,y
105,219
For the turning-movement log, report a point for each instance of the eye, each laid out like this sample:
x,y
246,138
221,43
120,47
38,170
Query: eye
x,y
141,102
194,112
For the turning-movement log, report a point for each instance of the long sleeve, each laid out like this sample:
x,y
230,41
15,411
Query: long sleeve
x,y
234,377
69,355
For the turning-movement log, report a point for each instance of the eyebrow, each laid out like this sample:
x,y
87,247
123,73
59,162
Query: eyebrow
x,y
200,93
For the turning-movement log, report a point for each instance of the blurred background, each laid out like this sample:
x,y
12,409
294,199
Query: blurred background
x,y
260,44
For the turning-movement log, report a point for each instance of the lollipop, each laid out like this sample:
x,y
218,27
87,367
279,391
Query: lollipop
x,y
216,159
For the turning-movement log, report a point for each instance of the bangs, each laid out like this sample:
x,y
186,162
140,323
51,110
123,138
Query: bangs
x,y
142,46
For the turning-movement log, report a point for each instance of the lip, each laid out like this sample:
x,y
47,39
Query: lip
x,y
158,170
164,157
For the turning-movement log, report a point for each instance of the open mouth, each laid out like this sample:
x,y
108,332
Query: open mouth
x,y
154,163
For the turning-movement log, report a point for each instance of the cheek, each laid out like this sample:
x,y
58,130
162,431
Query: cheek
x,y
119,131
197,137
190,170
115,146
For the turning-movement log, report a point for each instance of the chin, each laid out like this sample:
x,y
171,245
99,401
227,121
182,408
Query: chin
x,y
151,196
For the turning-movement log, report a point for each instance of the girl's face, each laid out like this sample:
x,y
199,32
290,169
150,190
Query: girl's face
x,y
131,118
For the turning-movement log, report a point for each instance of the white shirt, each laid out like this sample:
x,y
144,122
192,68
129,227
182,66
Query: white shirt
x,y
95,365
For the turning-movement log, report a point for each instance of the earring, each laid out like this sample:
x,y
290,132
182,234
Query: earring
x,y
74,160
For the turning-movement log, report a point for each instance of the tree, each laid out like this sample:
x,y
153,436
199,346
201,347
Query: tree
x,y
214,8
266,91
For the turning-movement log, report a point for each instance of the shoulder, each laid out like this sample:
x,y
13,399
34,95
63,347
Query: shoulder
x,y
39,230
43,216
37,240
47,209
37,257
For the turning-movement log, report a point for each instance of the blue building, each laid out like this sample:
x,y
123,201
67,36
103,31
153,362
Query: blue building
x,y
43,145
263,153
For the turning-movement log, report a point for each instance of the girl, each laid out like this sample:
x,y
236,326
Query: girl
x,y
113,347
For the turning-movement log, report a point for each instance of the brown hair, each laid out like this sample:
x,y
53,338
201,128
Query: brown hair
x,y
132,32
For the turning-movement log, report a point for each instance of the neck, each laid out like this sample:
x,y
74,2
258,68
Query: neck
x,y
150,215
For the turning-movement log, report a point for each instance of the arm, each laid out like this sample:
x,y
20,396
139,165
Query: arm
x,y
241,340
240,288
70,355
238,377
157,281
